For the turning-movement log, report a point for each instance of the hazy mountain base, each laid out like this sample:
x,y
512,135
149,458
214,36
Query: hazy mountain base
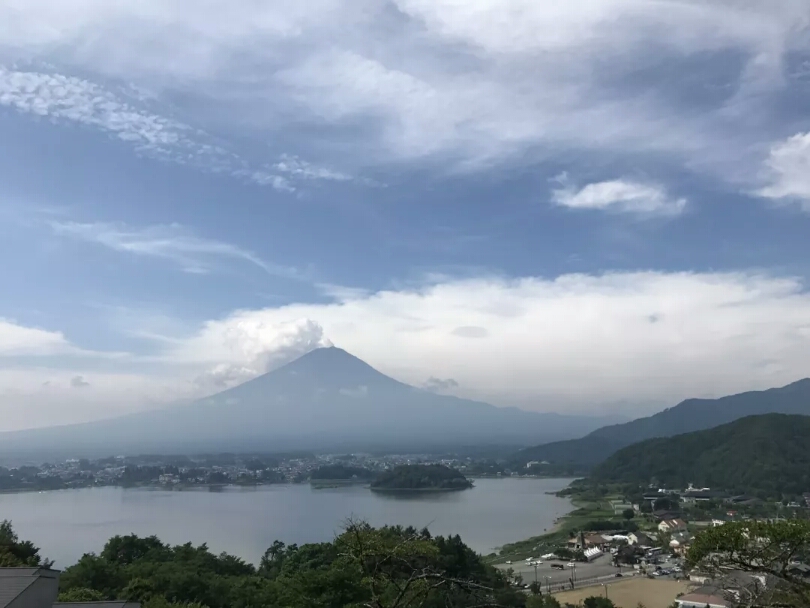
x,y
326,400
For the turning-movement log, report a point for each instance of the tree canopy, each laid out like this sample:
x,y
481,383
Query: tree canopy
x,y
390,567
421,477
765,455
18,553
766,548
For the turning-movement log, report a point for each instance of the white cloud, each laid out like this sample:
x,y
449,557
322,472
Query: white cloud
x,y
65,98
17,339
45,396
788,168
171,242
625,196
474,81
575,342
234,352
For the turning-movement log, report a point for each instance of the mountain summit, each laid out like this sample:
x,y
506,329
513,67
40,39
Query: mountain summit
x,y
325,399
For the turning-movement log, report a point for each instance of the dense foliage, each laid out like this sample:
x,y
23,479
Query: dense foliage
x,y
686,417
421,477
340,472
388,567
764,455
17,553
766,548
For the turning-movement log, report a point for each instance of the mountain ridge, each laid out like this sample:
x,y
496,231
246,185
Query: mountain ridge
x,y
689,415
768,455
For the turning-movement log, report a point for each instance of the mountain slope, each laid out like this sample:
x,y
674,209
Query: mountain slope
x,y
327,398
768,455
687,416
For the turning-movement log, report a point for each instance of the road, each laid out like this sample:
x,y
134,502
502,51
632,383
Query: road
x,y
601,568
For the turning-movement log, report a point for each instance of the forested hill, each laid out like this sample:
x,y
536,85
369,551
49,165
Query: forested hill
x,y
421,477
767,455
687,416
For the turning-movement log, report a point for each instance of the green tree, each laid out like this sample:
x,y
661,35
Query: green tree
x,y
15,552
758,547
628,514
542,601
535,588
81,594
597,601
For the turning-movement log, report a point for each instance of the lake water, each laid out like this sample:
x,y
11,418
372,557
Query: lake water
x,y
67,523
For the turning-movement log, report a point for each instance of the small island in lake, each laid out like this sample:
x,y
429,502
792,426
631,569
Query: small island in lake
x,y
421,478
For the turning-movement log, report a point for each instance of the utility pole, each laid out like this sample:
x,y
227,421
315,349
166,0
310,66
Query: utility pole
x,y
535,572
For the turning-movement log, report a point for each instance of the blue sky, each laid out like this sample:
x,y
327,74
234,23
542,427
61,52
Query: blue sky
x,y
597,206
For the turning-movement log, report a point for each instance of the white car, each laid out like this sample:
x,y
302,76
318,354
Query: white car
x,y
509,562
529,559
571,565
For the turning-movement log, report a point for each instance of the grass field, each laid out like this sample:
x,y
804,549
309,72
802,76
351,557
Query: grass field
x,y
631,593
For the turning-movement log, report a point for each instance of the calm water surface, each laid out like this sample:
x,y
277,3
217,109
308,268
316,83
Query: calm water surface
x,y
65,524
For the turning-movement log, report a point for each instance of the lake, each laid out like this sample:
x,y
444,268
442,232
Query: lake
x,y
245,521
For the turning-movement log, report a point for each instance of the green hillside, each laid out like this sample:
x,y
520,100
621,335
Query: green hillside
x,y
689,415
767,455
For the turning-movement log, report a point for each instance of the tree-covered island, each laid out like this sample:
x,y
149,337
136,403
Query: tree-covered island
x,y
421,478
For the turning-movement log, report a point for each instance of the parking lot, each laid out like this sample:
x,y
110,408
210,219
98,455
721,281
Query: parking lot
x,y
600,568
599,571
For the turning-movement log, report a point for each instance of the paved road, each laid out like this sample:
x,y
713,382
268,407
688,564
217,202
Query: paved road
x,y
601,568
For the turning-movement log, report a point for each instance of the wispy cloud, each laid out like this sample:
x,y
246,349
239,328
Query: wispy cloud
x,y
66,98
438,78
171,242
788,171
73,99
625,196
297,167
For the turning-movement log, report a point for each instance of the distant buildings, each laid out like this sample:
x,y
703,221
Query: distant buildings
x,y
672,525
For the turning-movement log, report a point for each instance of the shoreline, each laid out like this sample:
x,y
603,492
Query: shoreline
x,y
418,490
551,536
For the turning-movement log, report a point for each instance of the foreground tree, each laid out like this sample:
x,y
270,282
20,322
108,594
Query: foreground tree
x,y
364,567
15,552
403,568
81,594
770,549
